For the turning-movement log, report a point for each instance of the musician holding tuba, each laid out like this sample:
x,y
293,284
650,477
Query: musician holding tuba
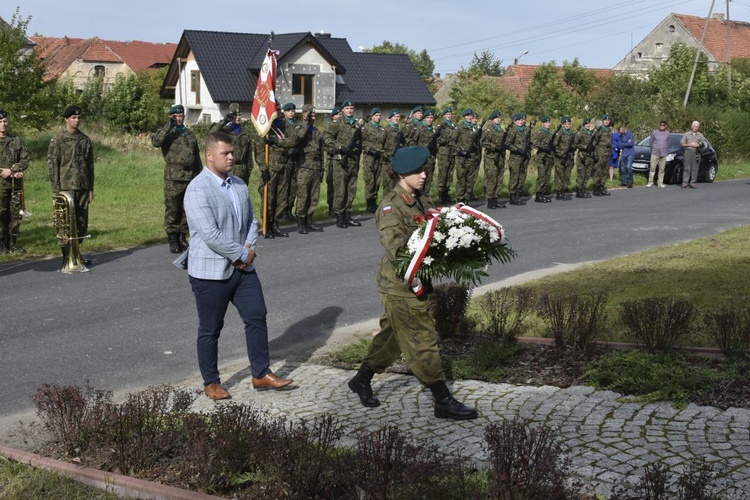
x,y
70,158
14,160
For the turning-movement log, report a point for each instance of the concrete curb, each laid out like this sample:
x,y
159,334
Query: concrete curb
x,y
115,483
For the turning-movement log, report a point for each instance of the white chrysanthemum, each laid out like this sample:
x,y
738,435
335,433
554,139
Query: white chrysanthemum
x,y
413,243
437,237
427,261
451,242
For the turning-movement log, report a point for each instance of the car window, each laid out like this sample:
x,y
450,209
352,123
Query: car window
x,y
646,142
674,141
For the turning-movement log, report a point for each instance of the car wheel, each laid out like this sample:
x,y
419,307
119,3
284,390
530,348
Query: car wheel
x,y
676,177
711,173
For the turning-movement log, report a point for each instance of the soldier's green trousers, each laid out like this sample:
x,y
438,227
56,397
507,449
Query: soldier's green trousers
x,y
585,165
601,168
175,220
544,164
10,218
429,170
388,182
407,328
563,169
345,173
517,165
445,167
493,174
467,169
371,171
308,190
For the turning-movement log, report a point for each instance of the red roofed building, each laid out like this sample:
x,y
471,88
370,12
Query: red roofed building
x,y
654,49
80,59
518,77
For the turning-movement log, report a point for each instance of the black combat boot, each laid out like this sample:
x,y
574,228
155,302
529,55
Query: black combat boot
x,y
269,230
4,245
276,230
341,220
310,226
174,243
371,206
559,195
603,191
350,221
443,197
301,228
491,203
446,406
183,241
360,385
539,198
14,247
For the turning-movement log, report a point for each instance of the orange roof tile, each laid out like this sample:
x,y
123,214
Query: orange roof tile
x,y
518,77
716,35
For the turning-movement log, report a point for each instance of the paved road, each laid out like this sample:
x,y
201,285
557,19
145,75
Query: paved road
x,y
131,322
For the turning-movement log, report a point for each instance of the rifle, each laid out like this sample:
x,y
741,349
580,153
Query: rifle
x,y
527,146
400,140
551,145
500,149
356,142
432,145
475,140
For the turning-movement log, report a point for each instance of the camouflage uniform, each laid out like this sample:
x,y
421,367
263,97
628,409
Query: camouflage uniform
x,y
542,141
493,145
602,155
344,152
243,143
426,136
564,154
70,159
406,326
583,143
179,146
330,187
309,178
282,164
464,140
518,143
14,155
446,156
392,137
374,138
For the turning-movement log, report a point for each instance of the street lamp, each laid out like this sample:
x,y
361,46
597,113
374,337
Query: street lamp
x,y
515,61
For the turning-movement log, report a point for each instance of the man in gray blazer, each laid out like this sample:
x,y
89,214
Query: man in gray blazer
x,y
223,232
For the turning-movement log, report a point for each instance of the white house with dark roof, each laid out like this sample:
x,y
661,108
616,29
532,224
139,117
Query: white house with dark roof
x,y
212,69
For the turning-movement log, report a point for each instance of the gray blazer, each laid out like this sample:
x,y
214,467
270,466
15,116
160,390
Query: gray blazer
x,y
217,235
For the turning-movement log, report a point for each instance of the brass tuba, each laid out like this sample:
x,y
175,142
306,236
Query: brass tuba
x,y
17,198
66,230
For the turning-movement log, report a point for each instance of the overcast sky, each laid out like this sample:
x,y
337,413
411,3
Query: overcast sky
x,y
598,32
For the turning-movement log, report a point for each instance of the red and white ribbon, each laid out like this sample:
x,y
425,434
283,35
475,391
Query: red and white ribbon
x,y
425,241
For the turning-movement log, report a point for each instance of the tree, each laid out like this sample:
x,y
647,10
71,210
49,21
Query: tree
x,y
133,104
578,77
549,94
483,95
485,64
23,92
423,63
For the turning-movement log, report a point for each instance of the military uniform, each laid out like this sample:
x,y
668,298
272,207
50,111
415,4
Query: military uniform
x,y
343,141
70,159
493,144
14,155
285,137
564,156
602,155
466,142
426,136
518,143
243,143
545,160
181,153
445,159
309,178
330,188
583,142
393,136
374,138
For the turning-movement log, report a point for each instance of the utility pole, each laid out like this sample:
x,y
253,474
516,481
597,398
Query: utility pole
x,y
729,48
698,54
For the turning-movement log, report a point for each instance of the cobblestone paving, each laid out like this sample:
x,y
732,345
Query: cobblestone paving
x,y
608,439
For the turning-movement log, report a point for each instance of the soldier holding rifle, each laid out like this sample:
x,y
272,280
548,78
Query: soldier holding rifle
x,y
14,160
344,143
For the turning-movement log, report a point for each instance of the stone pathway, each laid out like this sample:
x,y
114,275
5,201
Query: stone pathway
x,y
607,439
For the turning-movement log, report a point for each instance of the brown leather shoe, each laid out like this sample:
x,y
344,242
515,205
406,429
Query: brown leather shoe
x,y
270,381
216,391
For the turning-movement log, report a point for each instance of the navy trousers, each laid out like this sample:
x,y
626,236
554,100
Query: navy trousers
x,y
212,298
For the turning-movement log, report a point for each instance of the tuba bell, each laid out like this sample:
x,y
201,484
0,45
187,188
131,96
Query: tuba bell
x,y
17,198
66,230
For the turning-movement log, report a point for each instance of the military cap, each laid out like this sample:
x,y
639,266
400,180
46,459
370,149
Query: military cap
x,y
177,108
335,111
346,103
234,108
544,118
3,114
586,120
519,116
394,112
429,112
447,110
494,115
606,116
565,119
307,108
374,111
410,159
467,111
289,107
418,109
71,110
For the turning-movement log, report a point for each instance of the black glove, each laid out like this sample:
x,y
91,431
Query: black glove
x,y
265,175
463,153
499,149
272,139
596,158
344,150
373,152
432,150
590,148
290,152
172,123
229,117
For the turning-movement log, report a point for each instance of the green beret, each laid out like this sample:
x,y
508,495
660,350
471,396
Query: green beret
x,y
375,111
307,108
586,120
544,118
418,109
606,117
565,119
234,108
289,107
494,115
519,116
409,160
394,112
335,111
447,110
429,112
346,103
467,111
177,108
3,114
73,110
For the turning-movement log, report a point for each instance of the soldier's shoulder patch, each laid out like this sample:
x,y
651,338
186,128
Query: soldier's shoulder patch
x,y
387,209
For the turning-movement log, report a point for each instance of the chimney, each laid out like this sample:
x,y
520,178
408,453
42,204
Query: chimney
x,y
719,16
322,34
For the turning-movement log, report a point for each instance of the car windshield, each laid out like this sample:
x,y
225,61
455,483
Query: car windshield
x,y
674,141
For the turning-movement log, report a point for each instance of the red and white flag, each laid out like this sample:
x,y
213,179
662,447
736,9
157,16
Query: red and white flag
x,y
264,102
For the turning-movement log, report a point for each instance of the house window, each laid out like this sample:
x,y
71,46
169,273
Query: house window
x,y
671,28
195,85
206,118
99,70
303,85
659,49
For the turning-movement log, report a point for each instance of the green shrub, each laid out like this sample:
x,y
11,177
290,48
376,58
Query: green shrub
x,y
353,353
486,361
